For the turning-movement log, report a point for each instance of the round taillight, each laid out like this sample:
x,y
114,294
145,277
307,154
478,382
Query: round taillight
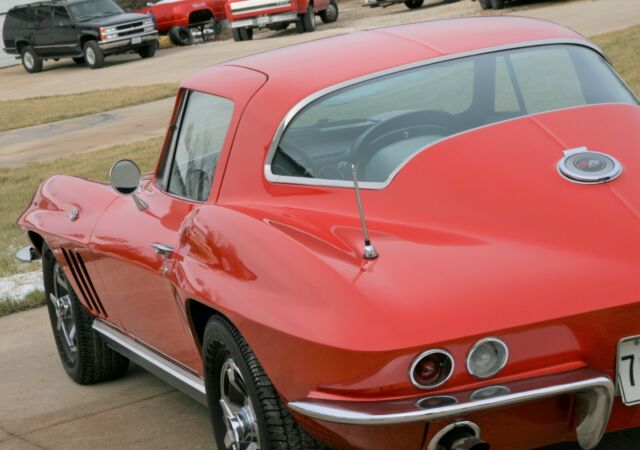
x,y
487,357
431,369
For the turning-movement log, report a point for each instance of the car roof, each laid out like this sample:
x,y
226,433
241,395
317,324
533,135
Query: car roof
x,y
305,68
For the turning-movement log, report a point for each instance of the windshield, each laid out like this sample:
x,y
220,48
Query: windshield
x,y
379,124
93,9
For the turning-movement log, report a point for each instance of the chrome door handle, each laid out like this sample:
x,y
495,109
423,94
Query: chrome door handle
x,y
165,251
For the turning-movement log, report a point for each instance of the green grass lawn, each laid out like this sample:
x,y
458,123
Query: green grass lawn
x,y
38,110
623,48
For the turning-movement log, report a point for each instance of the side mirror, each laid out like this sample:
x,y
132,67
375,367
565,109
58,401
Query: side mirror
x,y
124,178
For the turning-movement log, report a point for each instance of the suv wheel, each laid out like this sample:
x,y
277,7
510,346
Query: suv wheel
x,y
93,56
331,13
497,4
32,63
148,50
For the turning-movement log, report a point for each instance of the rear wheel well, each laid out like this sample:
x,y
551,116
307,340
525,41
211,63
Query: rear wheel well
x,y
20,45
199,314
201,15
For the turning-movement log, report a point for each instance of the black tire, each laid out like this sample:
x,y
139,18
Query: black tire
x,y
88,359
148,50
414,4
235,32
485,4
497,4
276,427
93,56
330,14
79,60
300,25
308,19
246,33
31,62
181,36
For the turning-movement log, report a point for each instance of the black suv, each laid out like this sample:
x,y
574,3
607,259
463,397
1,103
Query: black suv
x,y
85,30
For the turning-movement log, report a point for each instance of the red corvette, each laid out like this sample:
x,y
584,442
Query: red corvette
x,y
430,245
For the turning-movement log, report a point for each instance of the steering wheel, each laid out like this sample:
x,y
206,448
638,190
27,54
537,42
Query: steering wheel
x,y
402,126
308,169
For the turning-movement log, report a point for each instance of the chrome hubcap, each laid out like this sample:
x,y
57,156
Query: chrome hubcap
x,y
61,302
237,410
28,60
90,56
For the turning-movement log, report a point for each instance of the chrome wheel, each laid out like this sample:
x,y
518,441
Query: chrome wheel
x,y
240,420
62,305
28,60
90,56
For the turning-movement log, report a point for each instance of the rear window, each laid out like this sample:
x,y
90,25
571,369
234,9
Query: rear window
x,y
19,18
379,124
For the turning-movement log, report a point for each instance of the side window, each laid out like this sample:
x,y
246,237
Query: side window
x,y
203,128
547,79
43,16
506,100
60,16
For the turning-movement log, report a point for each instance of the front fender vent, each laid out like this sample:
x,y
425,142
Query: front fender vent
x,y
83,281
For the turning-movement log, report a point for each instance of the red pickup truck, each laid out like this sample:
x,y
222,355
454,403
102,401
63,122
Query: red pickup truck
x,y
178,17
246,15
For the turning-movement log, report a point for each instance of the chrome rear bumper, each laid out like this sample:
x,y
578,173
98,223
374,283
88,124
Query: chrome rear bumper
x,y
593,391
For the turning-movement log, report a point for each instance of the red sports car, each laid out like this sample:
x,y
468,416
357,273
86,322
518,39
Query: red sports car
x,y
433,242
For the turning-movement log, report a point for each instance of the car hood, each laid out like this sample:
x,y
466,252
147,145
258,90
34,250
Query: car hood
x,y
112,20
480,232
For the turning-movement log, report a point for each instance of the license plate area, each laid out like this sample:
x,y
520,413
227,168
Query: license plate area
x,y
263,20
628,370
136,40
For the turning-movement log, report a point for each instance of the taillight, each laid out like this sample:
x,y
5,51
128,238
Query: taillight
x,y
431,369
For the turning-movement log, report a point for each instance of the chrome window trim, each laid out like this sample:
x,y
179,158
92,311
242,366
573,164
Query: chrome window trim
x,y
495,340
286,179
425,354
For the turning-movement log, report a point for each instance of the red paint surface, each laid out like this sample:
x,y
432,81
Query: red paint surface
x,y
478,235
176,13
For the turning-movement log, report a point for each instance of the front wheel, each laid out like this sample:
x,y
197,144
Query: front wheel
x,y
242,34
307,21
246,411
148,50
85,356
414,4
93,56
31,62
331,13
497,4
485,4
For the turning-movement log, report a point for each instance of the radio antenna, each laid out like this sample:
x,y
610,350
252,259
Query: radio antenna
x,y
369,251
